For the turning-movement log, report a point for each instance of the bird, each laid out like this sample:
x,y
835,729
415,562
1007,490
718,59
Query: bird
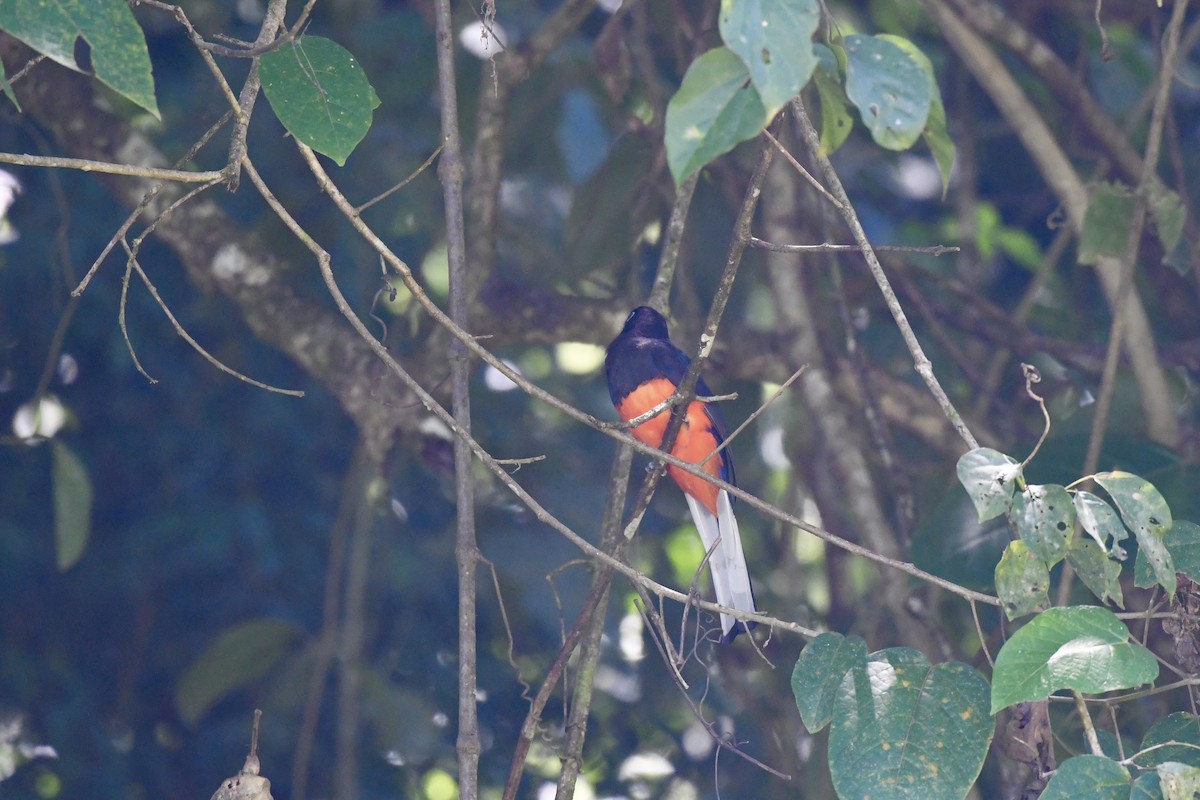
x,y
643,368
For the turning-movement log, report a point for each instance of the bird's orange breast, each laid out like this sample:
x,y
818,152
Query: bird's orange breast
x,y
695,442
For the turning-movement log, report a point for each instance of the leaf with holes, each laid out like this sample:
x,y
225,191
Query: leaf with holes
x,y
1097,571
1146,513
920,730
1085,648
935,134
773,38
320,94
1101,522
989,477
818,674
891,90
118,46
1045,518
1022,581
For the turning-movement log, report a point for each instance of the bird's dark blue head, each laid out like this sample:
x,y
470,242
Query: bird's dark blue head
x,y
645,321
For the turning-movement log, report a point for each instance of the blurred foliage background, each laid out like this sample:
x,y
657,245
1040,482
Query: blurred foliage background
x,y
217,505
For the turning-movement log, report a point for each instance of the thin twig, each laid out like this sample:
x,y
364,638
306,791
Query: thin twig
x,y
1089,727
411,177
109,168
826,247
796,165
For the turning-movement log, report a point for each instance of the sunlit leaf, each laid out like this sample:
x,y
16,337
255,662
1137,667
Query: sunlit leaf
x,y
818,674
1085,648
989,477
919,730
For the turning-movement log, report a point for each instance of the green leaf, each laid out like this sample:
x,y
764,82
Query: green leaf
x,y
1167,211
818,674
118,47
72,505
1022,581
892,91
240,655
1085,648
773,39
1180,727
716,109
1106,224
1093,777
989,477
1146,513
1097,571
836,121
936,134
1045,518
1100,521
907,730
320,94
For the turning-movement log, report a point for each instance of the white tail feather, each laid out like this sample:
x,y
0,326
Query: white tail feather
x,y
731,579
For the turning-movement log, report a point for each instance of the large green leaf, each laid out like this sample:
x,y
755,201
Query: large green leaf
x,y
1022,581
907,730
1093,777
1045,518
72,505
716,109
1085,648
118,47
818,674
1146,513
892,91
240,655
989,477
773,39
320,94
